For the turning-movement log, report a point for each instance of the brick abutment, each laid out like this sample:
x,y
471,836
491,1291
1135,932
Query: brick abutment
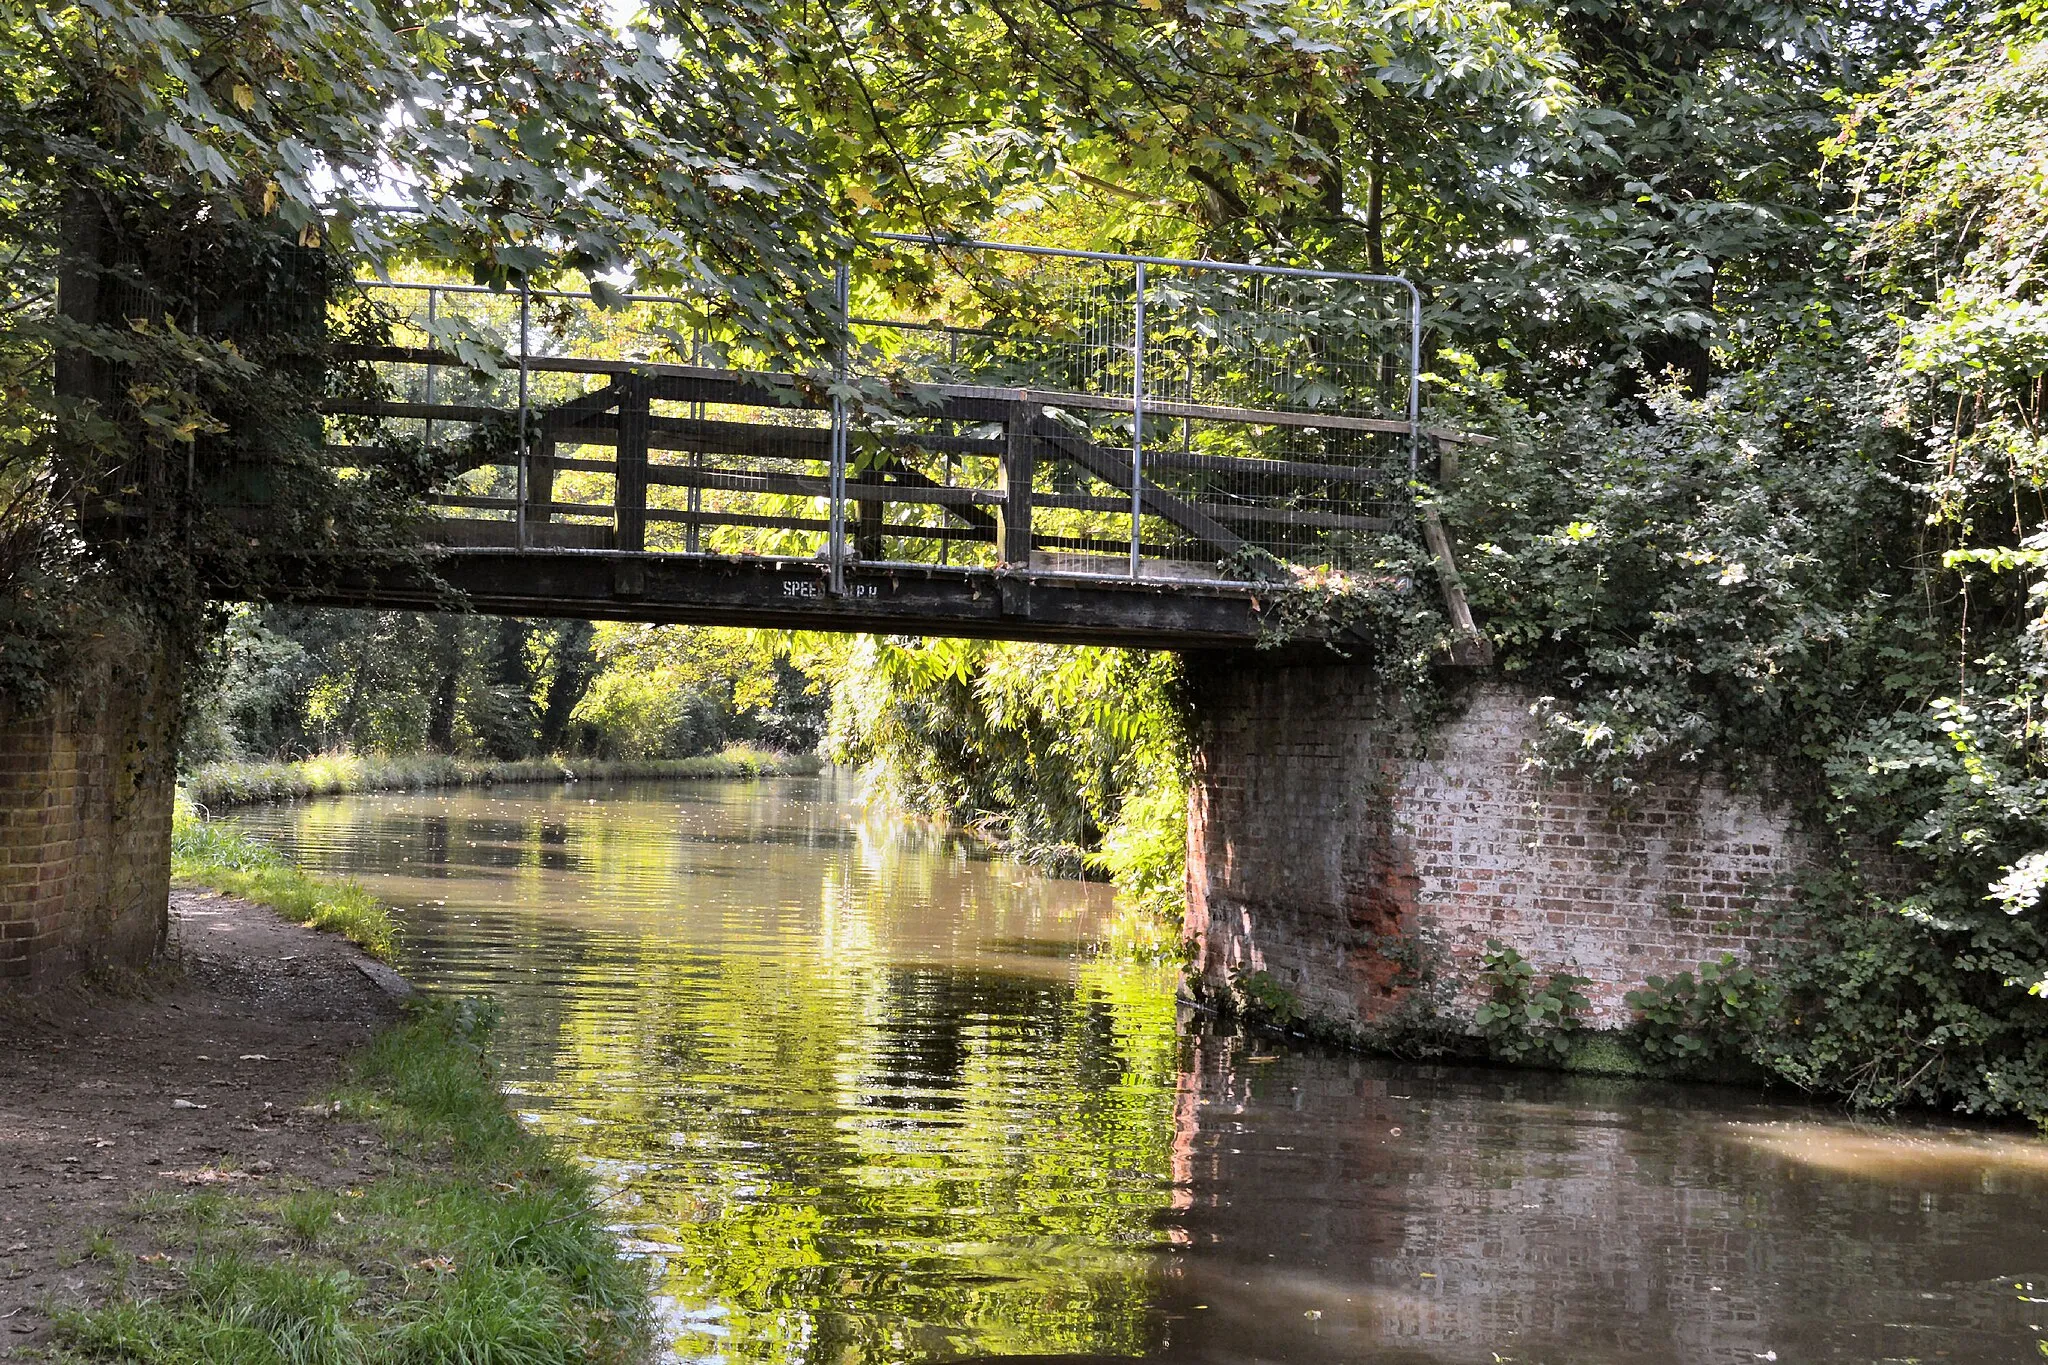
x,y
87,781
1334,845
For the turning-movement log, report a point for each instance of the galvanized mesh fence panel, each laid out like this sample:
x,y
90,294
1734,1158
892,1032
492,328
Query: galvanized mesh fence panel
x,y
1068,413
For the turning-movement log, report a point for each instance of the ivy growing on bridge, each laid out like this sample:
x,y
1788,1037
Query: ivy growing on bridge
x,y
1819,566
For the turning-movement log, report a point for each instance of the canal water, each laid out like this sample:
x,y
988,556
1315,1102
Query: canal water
x,y
865,1095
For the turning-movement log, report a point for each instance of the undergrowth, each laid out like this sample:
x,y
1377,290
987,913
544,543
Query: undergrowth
x,y
1522,1021
241,783
483,1246
205,853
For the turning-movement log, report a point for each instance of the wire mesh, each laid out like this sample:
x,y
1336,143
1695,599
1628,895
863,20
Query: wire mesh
x,y
643,426
1074,414
1261,415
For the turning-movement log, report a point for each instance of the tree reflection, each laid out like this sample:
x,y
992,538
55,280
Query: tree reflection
x,y
858,1124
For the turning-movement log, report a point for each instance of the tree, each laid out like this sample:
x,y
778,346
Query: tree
x,y
187,187
1824,572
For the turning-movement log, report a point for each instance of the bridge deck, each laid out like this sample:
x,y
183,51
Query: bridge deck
x,y
793,594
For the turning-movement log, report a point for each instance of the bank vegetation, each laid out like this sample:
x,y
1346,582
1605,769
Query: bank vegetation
x,y
234,782
480,1244
222,858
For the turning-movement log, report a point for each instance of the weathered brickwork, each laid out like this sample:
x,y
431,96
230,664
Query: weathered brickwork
x,y
1325,835
86,787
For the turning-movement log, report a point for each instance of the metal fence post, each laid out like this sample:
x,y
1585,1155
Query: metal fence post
x,y
836,547
1414,381
1137,415
433,297
519,494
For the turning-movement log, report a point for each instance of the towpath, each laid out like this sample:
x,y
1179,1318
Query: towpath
x,y
209,1072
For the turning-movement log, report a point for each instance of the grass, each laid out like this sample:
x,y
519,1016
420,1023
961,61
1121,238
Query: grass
x,y
218,785
482,1247
204,853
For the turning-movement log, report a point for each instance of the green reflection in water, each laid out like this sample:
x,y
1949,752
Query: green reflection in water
x,y
864,1096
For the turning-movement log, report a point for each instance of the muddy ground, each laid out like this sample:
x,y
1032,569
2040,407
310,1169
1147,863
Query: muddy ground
x,y
209,1071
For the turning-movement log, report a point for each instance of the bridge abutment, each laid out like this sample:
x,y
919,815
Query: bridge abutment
x,y
1337,850
87,782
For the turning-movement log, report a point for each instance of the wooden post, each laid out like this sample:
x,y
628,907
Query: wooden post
x,y
868,515
1013,518
629,500
540,486
1471,647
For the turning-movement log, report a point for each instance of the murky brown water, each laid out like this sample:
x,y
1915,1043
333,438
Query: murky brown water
x,y
867,1097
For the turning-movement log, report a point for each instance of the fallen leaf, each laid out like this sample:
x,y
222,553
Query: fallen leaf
x,y
204,1175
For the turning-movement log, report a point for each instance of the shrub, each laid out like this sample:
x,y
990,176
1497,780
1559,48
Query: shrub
x,y
1692,1020
1521,1021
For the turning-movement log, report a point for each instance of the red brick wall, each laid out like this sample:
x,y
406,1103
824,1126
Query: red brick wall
x,y
1322,827
86,786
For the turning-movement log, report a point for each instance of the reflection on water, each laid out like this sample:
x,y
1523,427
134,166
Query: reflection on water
x,y
866,1097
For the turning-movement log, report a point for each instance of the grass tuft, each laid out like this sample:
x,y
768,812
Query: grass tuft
x,y
204,853
218,785
483,1248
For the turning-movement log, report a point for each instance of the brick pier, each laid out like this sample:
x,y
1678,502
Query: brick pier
x,y
86,785
1326,837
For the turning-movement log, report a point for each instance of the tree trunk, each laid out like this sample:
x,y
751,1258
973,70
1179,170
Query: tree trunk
x,y
447,685
575,670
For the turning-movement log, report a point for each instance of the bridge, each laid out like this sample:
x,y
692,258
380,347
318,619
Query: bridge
x,y
1014,442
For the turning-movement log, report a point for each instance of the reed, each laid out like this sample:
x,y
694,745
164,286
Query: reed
x,y
219,785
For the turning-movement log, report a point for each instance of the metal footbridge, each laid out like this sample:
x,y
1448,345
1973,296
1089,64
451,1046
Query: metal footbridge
x,y
1015,442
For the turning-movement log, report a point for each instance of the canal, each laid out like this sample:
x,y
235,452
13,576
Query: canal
x,y
864,1094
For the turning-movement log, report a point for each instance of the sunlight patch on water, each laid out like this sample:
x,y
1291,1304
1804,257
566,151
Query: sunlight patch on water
x,y
1896,1155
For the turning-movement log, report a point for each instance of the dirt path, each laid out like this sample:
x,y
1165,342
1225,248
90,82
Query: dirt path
x,y
212,1076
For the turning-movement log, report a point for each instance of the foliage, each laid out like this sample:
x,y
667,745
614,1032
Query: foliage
x,y
482,1245
1688,1021
1064,754
1588,185
207,854
1260,998
1700,578
196,184
287,680
1818,572
1144,851
1386,607
283,679
664,691
1520,1020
